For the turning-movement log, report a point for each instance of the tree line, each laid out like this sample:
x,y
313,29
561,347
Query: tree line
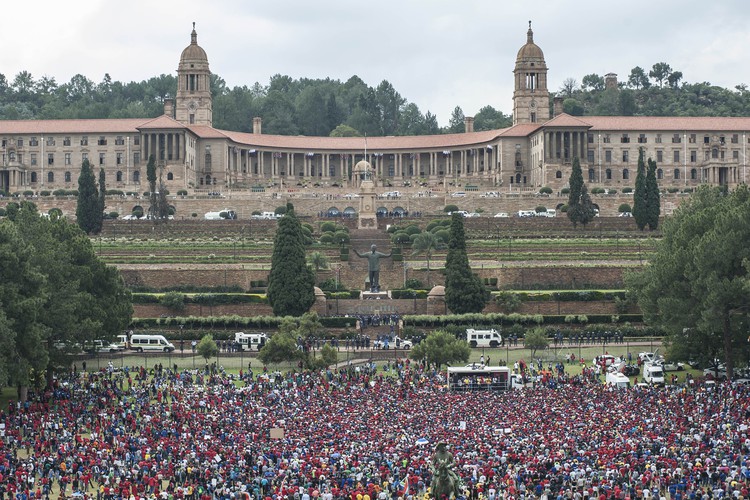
x,y
313,107
659,91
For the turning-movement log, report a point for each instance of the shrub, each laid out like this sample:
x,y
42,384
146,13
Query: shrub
x,y
687,190
508,301
565,191
627,190
113,215
182,192
326,238
624,208
44,193
28,193
327,227
545,190
540,209
673,190
612,191
415,284
564,208
450,208
2,212
59,192
173,300
280,210
597,190
194,215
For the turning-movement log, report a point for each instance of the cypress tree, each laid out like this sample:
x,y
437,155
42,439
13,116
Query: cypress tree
x,y
88,214
153,208
291,281
575,183
640,203
653,200
464,292
586,207
102,194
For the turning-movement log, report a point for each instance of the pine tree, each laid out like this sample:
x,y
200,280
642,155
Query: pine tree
x,y
291,281
88,214
653,201
640,202
464,292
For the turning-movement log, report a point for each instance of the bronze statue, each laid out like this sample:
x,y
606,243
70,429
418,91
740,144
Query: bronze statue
x,y
446,484
373,266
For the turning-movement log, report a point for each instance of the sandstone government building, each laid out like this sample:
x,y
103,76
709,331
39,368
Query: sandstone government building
x,y
536,151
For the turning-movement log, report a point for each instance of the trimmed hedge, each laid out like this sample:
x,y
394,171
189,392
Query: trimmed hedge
x,y
408,293
500,319
570,296
233,322
209,299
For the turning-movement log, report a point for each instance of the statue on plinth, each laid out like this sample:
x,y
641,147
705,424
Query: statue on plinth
x,y
445,482
373,266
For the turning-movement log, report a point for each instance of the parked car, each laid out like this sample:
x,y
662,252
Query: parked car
x,y
718,372
625,214
349,196
631,370
458,194
130,217
672,366
473,214
504,215
394,343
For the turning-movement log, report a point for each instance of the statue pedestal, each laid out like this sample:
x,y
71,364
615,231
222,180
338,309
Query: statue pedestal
x,y
368,295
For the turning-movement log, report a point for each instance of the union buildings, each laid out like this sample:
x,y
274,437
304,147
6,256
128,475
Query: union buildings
x,y
536,151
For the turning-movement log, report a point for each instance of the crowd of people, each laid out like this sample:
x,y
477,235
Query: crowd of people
x,y
358,433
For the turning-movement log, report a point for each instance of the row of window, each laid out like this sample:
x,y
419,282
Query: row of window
x,y
676,174
713,154
14,156
67,141
119,177
676,139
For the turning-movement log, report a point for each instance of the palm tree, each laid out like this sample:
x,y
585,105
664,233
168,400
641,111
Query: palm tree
x,y
318,261
426,243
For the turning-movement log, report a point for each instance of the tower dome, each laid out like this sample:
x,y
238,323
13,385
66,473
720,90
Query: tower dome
x,y
530,97
193,53
193,103
530,51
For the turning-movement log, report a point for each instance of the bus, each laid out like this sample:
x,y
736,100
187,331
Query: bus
x,y
481,378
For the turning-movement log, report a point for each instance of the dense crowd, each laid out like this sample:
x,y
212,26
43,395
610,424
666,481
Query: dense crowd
x,y
361,434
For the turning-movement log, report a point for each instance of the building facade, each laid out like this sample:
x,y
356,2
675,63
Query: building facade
x,y
538,150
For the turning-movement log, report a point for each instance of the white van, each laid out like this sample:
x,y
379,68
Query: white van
x,y
618,380
141,343
483,338
248,341
527,213
653,373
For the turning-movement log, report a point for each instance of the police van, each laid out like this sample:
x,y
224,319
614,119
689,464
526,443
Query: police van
x,y
483,338
144,342
250,341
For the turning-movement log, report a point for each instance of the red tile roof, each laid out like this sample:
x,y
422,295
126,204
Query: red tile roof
x,y
37,127
389,143
668,123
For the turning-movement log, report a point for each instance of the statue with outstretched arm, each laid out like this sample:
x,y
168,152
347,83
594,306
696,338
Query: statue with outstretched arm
x,y
373,265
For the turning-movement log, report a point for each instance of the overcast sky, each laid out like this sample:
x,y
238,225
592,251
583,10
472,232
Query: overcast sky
x,y
437,53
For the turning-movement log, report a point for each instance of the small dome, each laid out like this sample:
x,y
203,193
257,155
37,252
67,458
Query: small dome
x,y
318,292
193,52
362,166
437,291
530,50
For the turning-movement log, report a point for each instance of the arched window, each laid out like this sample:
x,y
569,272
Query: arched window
x,y
33,177
518,178
170,176
137,176
592,175
208,180
118,176
67,177
677,173
608,174
625,174
693,174
50,177
558,174
659,173
715,153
